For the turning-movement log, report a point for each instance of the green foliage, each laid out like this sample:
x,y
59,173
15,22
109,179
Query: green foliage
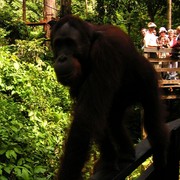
x,y
34,113
11,20
35,109
31,51
3,34
34,10
15,29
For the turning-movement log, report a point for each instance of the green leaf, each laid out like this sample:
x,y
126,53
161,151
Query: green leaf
x,y
10,154
3,178
21,161
17,171
15,129
8,169
2,151
28,167
31,113
25,174
29,160
16,65
18,150
39,169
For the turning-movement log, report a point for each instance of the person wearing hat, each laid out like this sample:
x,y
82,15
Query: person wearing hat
x,y
150,37
163,40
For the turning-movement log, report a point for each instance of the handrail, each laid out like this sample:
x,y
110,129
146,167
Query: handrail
x,y
157,49
143,151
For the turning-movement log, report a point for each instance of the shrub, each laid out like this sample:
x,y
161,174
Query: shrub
x,y
34,114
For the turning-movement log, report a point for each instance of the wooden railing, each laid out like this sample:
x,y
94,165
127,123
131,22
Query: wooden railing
x,y
144,151
171,87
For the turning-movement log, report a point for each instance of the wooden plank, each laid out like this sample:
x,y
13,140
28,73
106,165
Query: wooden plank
x,y
162,60
36,23
167,69
165,81
156,49
170,86
170,96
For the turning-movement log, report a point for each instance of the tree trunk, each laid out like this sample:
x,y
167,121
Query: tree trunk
x,y
24,10
169,15
65,7
49,14
86,7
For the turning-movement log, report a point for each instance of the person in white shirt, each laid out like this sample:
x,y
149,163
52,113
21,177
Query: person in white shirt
x,y
150,38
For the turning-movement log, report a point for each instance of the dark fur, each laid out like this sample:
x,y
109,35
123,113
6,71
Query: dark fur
x,y
106,75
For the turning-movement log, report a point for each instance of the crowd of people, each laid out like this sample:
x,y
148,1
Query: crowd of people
x,y
163,39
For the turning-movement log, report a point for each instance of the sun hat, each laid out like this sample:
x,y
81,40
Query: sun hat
x,y
151,24
162,29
